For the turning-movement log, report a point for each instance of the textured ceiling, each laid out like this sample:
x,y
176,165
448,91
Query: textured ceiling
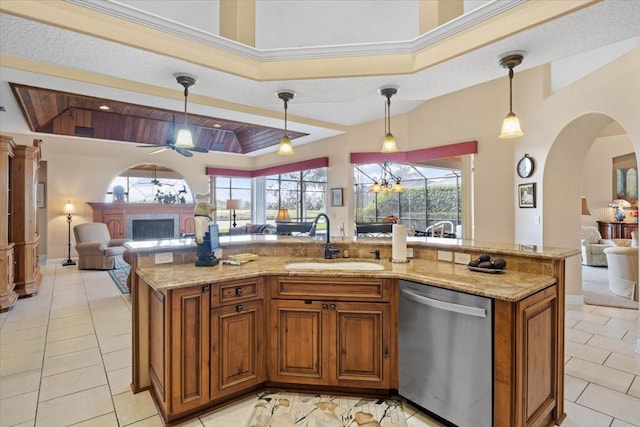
x,y
322,107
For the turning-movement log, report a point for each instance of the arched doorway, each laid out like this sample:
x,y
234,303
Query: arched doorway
x,y
563,179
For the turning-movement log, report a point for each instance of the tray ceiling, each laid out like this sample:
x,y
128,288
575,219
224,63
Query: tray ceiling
x,y
63,113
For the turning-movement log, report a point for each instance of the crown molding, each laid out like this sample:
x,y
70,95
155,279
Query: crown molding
x,y
449,29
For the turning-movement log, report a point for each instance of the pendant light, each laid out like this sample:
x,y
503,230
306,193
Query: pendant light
x,y
285,148
511,123
389,143
184,138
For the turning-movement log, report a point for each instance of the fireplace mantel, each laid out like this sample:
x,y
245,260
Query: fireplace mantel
x,y
118,216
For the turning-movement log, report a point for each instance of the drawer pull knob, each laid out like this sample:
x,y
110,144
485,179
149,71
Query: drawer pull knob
x,y
325,306
238,308
332,306
205,288
238,291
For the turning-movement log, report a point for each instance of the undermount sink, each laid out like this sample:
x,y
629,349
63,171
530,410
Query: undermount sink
x,y
341,265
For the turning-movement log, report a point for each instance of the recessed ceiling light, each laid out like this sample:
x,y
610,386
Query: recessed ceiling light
x,y
104,107
217,125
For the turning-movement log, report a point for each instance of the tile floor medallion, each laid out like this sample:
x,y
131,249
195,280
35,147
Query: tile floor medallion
x,y
281,409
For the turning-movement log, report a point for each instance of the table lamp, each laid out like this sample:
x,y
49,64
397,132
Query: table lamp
x,y
283,215
232,205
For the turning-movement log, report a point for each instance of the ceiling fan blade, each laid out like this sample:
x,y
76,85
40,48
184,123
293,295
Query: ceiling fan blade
x,y
198,149
159,150
182,151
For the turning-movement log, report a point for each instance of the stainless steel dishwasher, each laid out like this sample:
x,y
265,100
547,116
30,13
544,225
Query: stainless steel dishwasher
x,y
445,353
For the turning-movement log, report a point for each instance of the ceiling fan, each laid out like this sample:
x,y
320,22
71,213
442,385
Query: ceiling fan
x,y
175,141
171,145
155,180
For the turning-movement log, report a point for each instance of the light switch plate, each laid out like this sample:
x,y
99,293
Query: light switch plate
x,y
164,257
461,258
445,256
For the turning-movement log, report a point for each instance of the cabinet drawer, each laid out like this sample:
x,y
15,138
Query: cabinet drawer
x,y
332,288
236,291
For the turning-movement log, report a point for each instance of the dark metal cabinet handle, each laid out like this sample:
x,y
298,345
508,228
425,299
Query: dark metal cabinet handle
x,y
332,307
325,306
205,288
238,308
238,291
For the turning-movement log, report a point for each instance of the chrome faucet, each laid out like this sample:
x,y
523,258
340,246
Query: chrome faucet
x,y
328,251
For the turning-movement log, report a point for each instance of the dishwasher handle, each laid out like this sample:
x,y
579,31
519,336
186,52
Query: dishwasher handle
x,y
442,305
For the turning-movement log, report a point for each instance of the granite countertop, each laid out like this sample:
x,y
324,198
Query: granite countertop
x,y
508,285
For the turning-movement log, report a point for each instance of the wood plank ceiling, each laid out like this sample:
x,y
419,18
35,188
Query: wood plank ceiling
x,y
63,113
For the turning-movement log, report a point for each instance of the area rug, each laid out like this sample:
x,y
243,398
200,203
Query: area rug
x,y
120,274
282,409
595,289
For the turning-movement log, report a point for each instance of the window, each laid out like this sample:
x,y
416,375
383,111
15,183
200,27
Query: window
x,y
228,188
302,193
432,195
149,183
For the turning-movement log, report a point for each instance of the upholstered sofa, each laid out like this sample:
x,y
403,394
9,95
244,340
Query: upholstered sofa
x,y
593,246
96,249
253,229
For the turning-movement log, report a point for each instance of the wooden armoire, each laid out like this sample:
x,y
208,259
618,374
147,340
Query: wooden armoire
x,y
20,274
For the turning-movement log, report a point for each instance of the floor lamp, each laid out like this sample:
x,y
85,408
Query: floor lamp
x,y
232,205
69,210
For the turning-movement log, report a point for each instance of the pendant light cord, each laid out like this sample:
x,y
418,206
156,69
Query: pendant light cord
x,y
286,134
389,113
511,90
186,94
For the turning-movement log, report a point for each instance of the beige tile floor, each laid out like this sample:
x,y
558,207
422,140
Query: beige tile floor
x,y
65,359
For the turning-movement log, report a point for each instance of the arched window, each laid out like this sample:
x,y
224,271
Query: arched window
x,y
149,183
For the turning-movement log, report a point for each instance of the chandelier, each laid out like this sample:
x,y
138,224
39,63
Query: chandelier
x,y
386,182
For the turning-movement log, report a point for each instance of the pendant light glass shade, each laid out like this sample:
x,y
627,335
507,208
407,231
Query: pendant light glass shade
x,y
389,144
184,139
511,127
511,123
285,148
397,187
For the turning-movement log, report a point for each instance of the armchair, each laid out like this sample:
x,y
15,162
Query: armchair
x,y
96,249
593,246
623,271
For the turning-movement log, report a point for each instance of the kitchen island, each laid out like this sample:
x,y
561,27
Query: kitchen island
x,y
201,334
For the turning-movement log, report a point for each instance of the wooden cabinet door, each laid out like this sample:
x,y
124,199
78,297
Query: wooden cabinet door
x,y
360,344
527,359
537,324
237,347
299,343
115,223
189,348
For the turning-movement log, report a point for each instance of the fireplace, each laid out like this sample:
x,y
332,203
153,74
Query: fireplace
x,y
157,228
